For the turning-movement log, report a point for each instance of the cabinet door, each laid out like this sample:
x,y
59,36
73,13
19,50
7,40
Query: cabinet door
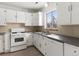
x,y
29,39
39,41
11,16
75,13
7,42
1,44
54,48
28,19
35,19
42,45
63,9
20,17
41,19
36,40
2,17
70,50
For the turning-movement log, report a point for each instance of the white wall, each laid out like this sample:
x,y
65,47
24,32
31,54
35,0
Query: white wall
x,y
51,6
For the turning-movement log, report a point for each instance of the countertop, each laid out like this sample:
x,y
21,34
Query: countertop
x,y
63,39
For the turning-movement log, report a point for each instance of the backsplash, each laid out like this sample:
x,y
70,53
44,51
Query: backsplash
x,y
72,30
14,25
33,28
69,30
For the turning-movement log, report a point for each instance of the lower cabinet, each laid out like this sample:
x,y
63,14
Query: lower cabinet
x,y
48,47
29,39
1,43
42,42
35,41
71,50
53,48
7,42
39,43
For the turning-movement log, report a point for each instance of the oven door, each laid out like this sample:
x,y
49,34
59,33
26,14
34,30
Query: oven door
x,y
18,39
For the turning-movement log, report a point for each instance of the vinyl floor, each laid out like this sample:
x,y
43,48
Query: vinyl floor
x,y
30,51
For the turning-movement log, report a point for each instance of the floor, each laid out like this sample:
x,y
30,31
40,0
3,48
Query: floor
x,y
31,51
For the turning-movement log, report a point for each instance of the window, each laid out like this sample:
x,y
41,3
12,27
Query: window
x,y
51,19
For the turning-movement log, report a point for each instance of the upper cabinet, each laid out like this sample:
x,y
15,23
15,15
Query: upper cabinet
x,y
64,13
2,17
37,19
20,17
75,13
68,13
28,19
41,21
11,16
34,19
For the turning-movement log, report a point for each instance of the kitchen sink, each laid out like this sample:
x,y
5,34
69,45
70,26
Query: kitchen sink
x,y
53,36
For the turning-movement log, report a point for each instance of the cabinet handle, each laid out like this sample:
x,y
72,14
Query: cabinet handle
x,y
75,51
40,45
45,53
69,8
5,11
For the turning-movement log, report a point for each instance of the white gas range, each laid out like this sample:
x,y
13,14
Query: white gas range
x,y
18,39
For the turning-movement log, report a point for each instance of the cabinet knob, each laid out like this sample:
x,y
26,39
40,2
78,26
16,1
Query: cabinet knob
x,y
45,53
75,51
5,11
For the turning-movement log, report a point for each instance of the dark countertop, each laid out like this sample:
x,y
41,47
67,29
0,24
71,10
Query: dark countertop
x,y
63,39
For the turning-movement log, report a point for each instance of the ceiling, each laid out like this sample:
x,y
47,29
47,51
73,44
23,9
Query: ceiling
x,y
29,5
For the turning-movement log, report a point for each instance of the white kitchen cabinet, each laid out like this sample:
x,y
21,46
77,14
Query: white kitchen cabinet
x,y
28,19
36,39
42,42
39,43
1,43
71,50
53,48
68,13
7,42
2,17
47,46
64,13
29,39
20,17
34,19
38,19
41,20
75,13
11,16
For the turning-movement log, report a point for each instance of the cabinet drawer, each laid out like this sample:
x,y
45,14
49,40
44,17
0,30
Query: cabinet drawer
x,y
53,41
71,50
